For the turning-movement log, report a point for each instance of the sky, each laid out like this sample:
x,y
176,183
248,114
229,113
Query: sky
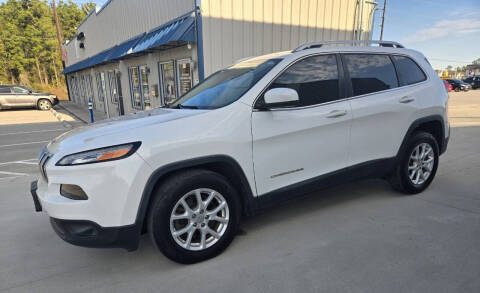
x,y
447,32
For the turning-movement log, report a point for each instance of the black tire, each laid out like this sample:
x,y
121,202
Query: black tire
x,y
169,193
44,104
457,89
400,179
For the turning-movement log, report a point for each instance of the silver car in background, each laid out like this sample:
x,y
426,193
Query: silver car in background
x,y
19,96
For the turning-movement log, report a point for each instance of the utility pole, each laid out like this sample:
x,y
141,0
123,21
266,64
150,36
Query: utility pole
x,y
59,33
60,42
383,18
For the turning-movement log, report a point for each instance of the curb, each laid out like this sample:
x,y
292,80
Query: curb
x,y
73,114
60,118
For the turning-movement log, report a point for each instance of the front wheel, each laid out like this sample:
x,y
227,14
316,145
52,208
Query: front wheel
x,y
44,105
417,165
194,216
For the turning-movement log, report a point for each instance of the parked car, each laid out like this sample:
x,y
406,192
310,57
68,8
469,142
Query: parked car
x,y
264,130
459,85
474,81
448,86
19,96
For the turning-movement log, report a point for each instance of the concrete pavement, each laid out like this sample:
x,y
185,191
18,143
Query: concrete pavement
x,y
359,237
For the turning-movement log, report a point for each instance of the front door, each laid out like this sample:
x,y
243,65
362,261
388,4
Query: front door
x,y
21,97
294,144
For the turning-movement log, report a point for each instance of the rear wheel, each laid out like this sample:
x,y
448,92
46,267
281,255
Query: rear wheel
x,y
418,164
194,216
44,105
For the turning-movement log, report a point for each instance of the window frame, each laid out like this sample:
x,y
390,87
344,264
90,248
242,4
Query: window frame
x,y
257,105
10,91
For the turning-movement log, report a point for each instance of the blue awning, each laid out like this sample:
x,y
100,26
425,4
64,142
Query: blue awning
x,y
178,30
124,48
175,32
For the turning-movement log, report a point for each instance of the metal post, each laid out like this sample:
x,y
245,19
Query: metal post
x,y
90,109
383,18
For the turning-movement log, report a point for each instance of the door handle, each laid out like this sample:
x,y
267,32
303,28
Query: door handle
x,y
406,100
337,113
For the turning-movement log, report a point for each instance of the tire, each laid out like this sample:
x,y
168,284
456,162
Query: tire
x,y
457,89
166,204
44,105
400,178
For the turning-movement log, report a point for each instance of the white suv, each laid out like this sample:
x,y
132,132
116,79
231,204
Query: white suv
x,y
264,130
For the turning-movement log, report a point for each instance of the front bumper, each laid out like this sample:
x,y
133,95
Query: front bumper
x,y
90,234
55,101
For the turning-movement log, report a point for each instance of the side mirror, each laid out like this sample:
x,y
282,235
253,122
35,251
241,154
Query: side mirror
x,y
280,97
30,92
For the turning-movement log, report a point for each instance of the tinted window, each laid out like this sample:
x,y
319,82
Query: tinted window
x,y
315,79
370,73
19,90
408,70
4,90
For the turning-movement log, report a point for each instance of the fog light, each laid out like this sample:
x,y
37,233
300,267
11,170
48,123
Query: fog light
x,y
73,192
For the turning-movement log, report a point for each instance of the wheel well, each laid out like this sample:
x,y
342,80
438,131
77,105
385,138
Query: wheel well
x,y
435,128
231,171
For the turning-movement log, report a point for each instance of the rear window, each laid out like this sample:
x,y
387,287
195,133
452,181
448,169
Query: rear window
x,y
408,71
370,73
4,90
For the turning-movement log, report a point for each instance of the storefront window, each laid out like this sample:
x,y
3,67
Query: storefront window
x,y
167,75
145,87
82,90
184,76
139,87
101,90
113,87
135,88
90,91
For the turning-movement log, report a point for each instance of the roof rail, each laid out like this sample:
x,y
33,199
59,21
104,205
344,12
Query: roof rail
x,y
353,42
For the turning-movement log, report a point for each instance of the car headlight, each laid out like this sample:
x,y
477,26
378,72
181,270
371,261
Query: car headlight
x,y
100,155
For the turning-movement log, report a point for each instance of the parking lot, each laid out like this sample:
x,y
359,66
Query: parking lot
x,y
359,237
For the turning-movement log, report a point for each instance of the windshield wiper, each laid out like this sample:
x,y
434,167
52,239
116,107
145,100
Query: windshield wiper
x,y
180,106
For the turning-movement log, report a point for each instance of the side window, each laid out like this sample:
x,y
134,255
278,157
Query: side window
x,y
5,90
314,78
19,90
408,70
370,73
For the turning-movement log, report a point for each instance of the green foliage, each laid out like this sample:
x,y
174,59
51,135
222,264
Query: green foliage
x,y
29,52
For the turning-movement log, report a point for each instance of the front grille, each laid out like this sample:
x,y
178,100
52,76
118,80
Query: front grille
x,y
43,159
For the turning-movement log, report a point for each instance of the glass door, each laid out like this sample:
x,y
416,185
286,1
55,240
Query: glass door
x,y
139,87
167,82
184,72
145,87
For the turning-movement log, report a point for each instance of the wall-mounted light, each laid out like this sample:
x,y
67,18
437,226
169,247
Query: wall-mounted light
x,y
82,45
80,36
189,46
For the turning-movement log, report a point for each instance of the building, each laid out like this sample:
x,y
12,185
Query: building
x,y
134,55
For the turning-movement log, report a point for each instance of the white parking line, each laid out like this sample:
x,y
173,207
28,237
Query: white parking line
x,y
27,163
14,162
36,131
13,173
25,143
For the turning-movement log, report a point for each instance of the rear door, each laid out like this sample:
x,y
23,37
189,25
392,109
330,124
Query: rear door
x,y
383,106
294,144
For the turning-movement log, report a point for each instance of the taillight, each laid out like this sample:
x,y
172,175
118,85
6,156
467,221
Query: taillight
x,y
448,87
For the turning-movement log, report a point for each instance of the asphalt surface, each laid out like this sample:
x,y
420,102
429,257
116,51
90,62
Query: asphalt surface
x,y
358,237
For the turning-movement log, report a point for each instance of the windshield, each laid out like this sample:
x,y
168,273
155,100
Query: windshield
x,y
225,86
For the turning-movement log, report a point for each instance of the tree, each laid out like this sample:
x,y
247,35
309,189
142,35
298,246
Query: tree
x,y
28,46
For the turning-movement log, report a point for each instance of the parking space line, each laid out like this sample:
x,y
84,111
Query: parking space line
x,y
36,131
25,143
13,173
13,162
27,163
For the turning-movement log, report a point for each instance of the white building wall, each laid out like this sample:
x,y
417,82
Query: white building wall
x,y
235,29
121,20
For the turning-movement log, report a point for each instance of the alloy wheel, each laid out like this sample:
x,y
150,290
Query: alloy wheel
x,y
199,219
44,105
420,164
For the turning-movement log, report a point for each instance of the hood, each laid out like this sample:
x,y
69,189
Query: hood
x,y
82,138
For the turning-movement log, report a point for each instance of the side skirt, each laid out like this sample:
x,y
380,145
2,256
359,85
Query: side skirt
x,y
375,168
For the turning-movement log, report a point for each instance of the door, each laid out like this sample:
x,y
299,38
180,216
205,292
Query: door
x,y
167,82
5,92
382,112
294,144
21,97
184,76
